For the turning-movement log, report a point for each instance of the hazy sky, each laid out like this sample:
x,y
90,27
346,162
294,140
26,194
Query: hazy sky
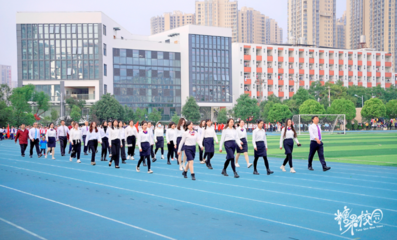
x,y
133,15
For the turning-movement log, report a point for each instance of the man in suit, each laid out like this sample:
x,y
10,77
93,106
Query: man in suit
x,y
62,133
316,145
34,136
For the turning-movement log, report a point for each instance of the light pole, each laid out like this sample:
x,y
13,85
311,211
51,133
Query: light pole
x,y
362,99
329,96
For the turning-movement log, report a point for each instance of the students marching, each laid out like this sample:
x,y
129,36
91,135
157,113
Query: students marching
x,y
75,139
104,135
23,136
115,143
131,134
144,143
122,142
92,139
208,137
200,133
171,141
179,133
260,147
242,135
288,135
230,139
52,138
159,139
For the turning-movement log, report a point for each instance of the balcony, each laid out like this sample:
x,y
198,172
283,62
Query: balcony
x,y
378,74
331,61
81,96
281,59
340,62
290,59
246,46
301,60
270,58
291,83
270,70
247,57
311,60
258,58
281,94
378,64
291,94
360,84
247,81
258,70
350,62
378,84
247,69
360,63
350,83
310,82
291,71
369,63
350,73
387,85
311,72
321,72
322,83
280,82
248,92
281,70
321,61
301,71
269,93
369,84
388,74
270,82
340,73
331,72
369,74
301,83
387,64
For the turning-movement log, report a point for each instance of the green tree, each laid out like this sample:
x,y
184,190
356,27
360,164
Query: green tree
x,y
20,98
107,108
191,110
279,113
139,115
128,114
222,116
246,107
317,90
301,96
155,115
311,107
75,102
265,111
5,93
292,105
41,102
343,106
6,114
391,108
175,118
373,108
54,115
75,114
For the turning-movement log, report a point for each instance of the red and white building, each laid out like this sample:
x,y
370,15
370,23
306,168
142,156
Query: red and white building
x,y
263,70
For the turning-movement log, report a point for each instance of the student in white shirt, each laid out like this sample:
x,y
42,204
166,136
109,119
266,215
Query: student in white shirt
x,y
109,149
260,147
189,140
51,137
316,145
122,142
230,139
208,137
170,135
159,139
180,129
115,143
242,135
131,134
104,135
288,135
84,131
144,142
34,136
200,130
92,140
62,133
150,130
75,139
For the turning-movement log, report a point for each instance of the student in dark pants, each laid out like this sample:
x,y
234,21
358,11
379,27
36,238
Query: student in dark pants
x,y
144,142
122,142
316,145
171,141
93,138
115,143
22,135
75,138
84,131
259,143
34,135
230,139
62,132
131,134
200,134
288,135
104,134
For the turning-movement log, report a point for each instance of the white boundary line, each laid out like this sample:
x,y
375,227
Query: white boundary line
x,y
23,229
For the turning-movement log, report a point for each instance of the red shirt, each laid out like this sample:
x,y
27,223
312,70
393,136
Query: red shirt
x,y
23,136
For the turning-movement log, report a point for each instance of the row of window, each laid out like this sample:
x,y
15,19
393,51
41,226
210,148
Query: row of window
x,y
131,53
58,31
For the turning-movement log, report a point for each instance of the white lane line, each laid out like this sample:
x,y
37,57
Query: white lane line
x,y
193,189
342,159
23,229
153,195
92,213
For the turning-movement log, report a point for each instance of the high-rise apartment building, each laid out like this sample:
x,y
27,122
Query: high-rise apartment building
x,y
357,22
5,75
312,21
170,21
218,13
341,32
254,27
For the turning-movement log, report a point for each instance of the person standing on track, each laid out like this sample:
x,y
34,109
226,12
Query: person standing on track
x,y
22,135
92,140
52,138
144,142
84,131
75,139
171,141
62,133
159,139
208,137
179,133
288,135
242,135
115,143
259,142
189,140
122,142
150,130
131,134
104,135
230,139
316,145
200,134
34,136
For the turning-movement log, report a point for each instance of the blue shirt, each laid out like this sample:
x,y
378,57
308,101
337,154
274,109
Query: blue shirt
x,y
43,144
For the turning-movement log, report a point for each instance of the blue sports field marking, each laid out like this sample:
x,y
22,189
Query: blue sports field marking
x,y
23,229
92,213
180,186
178,200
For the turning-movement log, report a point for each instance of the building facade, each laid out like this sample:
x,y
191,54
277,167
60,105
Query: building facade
x,y
280,70
5,75
357,22
312,22
218,13
341,32
170,21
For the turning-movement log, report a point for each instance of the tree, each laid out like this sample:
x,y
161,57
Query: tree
x,y
155,115
107,108
301,96
266,109
343,106
20,98
292,105
246,107
6,114
391,108
5,93
54,115
41,101
75,102
311,107
317,90
75,114
279,113
139,115
191,110
222,116
175,118
128,114
373,108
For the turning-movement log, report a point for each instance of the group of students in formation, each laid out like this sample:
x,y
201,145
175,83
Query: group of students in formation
x,y
181,138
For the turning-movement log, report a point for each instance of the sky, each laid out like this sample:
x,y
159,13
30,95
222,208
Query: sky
x,y
133,15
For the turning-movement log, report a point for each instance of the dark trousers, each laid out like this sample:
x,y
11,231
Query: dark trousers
x,y
33,144
170,150
70,147
264,159
116,151
288,159
122,150
76,149
91,145
315,147
105,147
201,152
131,140
231,160
162,151
23,148
42,150
142,159
63,142
151,151
85,147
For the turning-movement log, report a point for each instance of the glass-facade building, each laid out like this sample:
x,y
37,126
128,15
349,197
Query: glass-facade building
x,y
147,80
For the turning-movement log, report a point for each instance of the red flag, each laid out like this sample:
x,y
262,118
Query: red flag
x,y
8,131
136,126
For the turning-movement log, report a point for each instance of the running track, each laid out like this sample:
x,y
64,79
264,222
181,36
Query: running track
x,y
59,199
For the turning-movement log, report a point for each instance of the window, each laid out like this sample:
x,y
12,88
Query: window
x,y
104,29
105,70
105,88
104,49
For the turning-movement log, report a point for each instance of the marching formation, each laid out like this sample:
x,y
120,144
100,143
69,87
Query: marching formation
x,y
181,138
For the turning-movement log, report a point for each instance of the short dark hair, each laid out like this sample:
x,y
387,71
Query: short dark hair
x,y
314,117
259,121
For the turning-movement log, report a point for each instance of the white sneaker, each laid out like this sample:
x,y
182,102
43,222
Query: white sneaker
x,y
249,165
53,158
150,171
132,158
137,169
180,167
292,170
202,162
110,155
128,157
282,168
45,156
79,161
71,159
237,165
162,156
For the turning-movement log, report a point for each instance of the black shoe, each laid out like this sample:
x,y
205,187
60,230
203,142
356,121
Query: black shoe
x,y
184,174
144,164
85,153
154,159
326,169
123,162
30,156
236,175
62,155
269,172
117,167
105,160
23,155
193,177
169,163
69,152
256,172
224,173
311,169
40,155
